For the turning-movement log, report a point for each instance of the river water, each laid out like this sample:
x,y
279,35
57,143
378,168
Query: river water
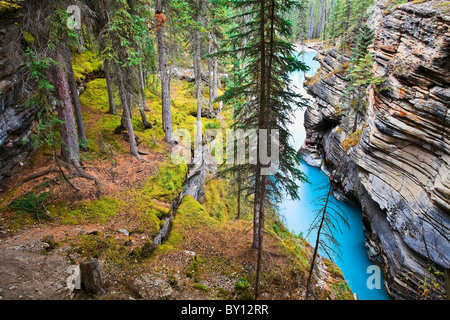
x,y
299,214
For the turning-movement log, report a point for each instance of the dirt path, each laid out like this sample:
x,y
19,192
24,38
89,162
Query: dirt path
x,y
26,273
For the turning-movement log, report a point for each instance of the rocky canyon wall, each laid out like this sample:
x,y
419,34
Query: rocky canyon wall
x,y
16,119
398,164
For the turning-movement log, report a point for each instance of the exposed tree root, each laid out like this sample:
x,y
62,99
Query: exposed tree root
x,y
143,153
75,170
38,175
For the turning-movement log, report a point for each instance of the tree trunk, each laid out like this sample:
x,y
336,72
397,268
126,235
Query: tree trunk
x,y
70,150
325,23
264,123
76,102
210,78
260,235
147,124
165,88
256,210
126,118
215,68
262,102
355,124
316,247
198,76
91,277
80,42
109,85
239,182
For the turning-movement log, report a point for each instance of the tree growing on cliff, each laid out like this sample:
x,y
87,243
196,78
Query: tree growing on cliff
x,y
326,223
360,74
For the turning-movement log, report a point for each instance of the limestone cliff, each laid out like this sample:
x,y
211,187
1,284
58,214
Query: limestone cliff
x,y
15,118
399,168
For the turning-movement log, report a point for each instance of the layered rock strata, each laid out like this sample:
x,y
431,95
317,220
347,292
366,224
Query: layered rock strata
x,y
15,118
399,170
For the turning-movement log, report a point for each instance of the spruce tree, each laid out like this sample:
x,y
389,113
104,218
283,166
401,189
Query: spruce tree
x,y
124,29
360,73
267,102
160,20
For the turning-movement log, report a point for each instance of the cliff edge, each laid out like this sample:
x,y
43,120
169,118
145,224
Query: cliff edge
x,y
397,164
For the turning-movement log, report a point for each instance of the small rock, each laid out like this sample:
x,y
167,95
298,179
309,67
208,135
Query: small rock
x,y
124,231
189,253
12,287
165,291
5,85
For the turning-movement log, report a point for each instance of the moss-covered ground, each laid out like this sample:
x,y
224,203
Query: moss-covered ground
x,y
208,253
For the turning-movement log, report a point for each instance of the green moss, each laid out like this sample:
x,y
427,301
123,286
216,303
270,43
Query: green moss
x,y
444,6
20,220
105,127
167,184
7,6
84,64
193,270
99,210
95,96
102,247
334,269
190,215
185,101
242,284
220,202
353,139
29,38
242,289
341,291
148,213
201,287
51,244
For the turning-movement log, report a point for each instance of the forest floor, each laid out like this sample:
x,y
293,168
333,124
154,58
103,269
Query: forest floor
x,y
27,270
208,255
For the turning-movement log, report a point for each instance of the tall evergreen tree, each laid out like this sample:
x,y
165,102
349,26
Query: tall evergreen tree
x,y
162,58
124,29
47,22
268,102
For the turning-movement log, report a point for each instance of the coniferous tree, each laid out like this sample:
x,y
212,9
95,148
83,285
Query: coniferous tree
x,y
162,58
198,70
267,103
47,22
327,222
124,29
360,73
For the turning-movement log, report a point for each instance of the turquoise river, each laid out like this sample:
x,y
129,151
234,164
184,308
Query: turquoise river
x,y
298,214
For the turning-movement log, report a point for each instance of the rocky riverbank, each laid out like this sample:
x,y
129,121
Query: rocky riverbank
x,y
397,167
